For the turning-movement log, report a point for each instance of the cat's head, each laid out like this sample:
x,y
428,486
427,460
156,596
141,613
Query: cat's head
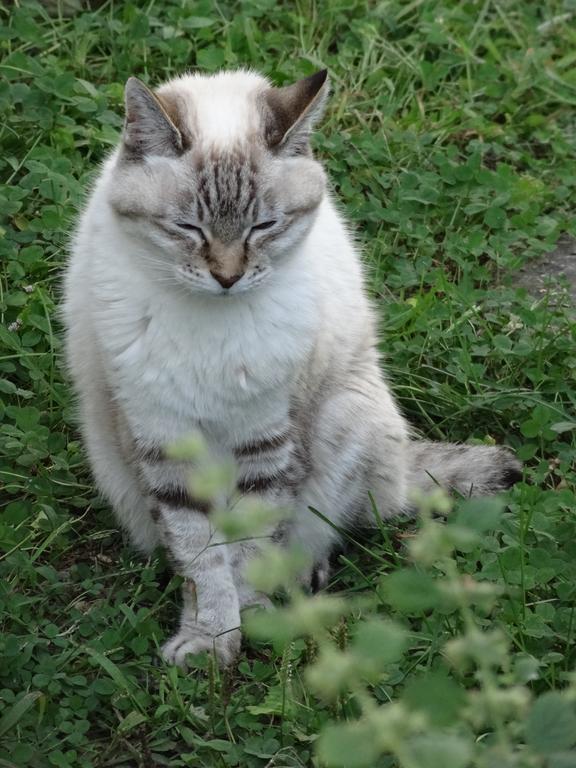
x,y
216,178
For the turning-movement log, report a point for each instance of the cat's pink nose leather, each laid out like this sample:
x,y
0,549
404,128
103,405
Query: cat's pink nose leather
x,y
225,282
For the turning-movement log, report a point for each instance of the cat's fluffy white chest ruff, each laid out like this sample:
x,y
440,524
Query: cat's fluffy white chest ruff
x,y
228,364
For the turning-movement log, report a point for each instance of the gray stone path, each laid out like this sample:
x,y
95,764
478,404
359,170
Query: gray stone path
x,y
540,275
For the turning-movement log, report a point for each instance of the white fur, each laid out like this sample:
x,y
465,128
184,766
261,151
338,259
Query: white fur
x,y
221,106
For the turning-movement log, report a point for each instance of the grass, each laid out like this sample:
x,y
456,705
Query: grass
x,y
450,141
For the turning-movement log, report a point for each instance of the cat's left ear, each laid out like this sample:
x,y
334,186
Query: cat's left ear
x,y
148,129
291,112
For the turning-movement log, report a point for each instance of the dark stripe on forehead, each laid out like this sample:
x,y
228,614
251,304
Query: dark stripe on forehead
x,y
217,188
202,195
227,184
250,196
238,176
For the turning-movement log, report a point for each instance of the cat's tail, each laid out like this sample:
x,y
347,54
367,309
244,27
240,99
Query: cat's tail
x,y
470,470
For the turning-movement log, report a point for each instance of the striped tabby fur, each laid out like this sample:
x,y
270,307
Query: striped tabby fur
x,y
213,286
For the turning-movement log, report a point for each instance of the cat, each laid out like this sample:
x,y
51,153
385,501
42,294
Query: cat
x,y
214,286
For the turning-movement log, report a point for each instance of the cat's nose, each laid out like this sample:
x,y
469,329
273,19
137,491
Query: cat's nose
x,y
225,282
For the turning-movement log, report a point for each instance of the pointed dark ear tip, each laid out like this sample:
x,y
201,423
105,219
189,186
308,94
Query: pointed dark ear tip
x,y
134,83
319,78
136,89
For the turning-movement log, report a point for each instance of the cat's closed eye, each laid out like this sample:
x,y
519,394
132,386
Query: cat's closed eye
x,y
262,225
192,228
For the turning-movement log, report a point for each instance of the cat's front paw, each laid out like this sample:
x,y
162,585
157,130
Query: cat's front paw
x,y
196,639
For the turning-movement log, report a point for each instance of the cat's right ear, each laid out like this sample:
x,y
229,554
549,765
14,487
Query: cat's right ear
x,y
292,111
148,129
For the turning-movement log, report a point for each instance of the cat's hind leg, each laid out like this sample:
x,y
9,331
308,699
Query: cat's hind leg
x,y
358,446
108,445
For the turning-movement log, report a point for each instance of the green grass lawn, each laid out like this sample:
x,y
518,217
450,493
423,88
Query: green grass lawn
x,y
450,139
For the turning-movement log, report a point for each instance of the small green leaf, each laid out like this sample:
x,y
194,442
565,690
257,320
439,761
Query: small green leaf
x,y
111,669
279,700
480,514
211,57
197,22
348,745
131,721
441,751
410,591
7,387
18,710
563,426
380,642
437,695
495,217
551,725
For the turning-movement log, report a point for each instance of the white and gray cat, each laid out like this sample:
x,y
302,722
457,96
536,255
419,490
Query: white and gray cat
x,y
214,286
